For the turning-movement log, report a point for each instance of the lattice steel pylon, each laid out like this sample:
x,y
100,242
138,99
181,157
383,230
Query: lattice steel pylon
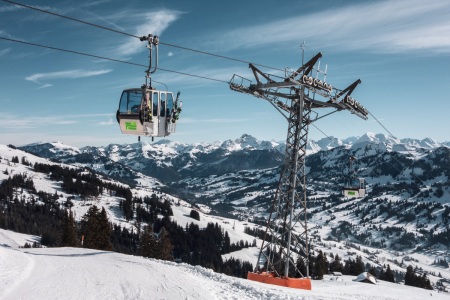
x,y
286,237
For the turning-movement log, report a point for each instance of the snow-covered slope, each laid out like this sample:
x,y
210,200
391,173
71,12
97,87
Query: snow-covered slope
x,y
76,273
367,218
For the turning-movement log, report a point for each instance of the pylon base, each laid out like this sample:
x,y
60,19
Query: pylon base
x,y
296,283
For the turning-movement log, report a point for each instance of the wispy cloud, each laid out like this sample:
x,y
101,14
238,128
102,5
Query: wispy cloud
x,y
9,8
387,26
149,23
10,121
69,74
6,34
215,121
109,122
4,51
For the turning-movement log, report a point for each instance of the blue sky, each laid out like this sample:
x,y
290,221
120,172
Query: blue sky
x,y
399,49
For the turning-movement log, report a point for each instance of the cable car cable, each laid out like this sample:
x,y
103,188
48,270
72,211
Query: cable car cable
x,y
110,59
70,51
220,56
407,150
69,18
135,36
400,163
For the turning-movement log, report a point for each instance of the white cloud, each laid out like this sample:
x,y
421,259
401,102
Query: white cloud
x,y
47,85
9,8
107,123
11,121
216,121
386,26
38,77
4,51
150,23
170,54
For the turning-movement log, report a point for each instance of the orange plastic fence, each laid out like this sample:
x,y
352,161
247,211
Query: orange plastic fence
x,y
297,283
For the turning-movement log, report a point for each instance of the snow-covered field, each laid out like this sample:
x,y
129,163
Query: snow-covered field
x,y
76,273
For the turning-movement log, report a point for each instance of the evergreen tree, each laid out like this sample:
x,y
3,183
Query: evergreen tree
x,y
226,244
412,279
409,276
389,275
147,243
359,266
301,266
373,271
104,231
96,229
320,265
195,215
348,267
164,246
426,284
69,236
336,265
90,228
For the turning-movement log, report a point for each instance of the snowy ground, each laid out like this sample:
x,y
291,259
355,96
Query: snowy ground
x,y
75,273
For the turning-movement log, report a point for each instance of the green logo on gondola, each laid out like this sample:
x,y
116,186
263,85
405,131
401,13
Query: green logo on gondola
x,y
352,193
130,126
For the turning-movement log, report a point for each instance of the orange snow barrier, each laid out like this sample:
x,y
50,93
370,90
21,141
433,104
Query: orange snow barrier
x,y
296,283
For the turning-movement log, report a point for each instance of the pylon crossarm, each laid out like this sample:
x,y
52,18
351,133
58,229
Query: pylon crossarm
x,y
257,71
307,67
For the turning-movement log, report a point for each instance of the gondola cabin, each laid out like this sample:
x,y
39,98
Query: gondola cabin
x,y
147,112
355,188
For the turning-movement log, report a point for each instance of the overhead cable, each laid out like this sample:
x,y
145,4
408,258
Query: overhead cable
x,y
135,36
68,18
407,150
110,59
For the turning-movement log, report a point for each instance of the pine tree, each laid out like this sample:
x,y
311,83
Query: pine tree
x,y
373,271
104,231
96,229
147,243
90,228
194,215
226,244
336,265
69,231
301,266
389,275
164,246
348,267
359,266
409,276
321,265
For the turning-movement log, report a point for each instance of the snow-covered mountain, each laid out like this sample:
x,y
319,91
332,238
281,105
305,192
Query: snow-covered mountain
x,y
171,161
246,169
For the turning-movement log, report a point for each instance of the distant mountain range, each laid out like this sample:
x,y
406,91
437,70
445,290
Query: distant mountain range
x,y
245,171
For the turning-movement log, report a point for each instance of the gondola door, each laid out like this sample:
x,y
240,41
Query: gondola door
x,y
170,124
162,114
